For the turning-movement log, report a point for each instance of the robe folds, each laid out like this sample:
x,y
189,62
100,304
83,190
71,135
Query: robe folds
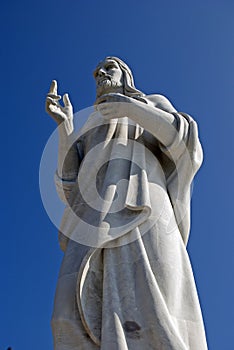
x,y
126,281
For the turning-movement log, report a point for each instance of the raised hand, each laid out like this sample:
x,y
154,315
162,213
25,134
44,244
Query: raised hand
x,y
59,113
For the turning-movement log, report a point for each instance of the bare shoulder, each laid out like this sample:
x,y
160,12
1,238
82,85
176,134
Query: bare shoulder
x,y
161,102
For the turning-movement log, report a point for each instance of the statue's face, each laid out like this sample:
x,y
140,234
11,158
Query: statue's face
x,y
109,77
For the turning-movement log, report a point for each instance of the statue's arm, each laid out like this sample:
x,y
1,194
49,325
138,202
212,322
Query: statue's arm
x,y
67,168
157,117
68,160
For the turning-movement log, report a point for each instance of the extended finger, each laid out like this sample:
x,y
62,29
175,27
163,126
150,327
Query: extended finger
x,y
53,88
66,100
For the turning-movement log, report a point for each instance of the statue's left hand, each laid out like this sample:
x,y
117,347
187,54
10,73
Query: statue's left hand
x,y
115,105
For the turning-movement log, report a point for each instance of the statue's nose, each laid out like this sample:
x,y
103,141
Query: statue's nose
x,y
101,72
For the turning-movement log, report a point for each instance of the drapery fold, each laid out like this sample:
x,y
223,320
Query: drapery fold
x,y
131,205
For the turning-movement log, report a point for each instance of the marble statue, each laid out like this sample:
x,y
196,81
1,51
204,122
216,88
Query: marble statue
x,y
126,281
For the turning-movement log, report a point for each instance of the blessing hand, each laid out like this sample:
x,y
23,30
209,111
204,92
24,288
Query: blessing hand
x,y
59,113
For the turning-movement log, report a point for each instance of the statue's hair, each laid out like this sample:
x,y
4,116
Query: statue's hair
x,y
128,81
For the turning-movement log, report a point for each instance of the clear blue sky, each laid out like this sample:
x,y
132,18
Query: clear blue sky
x,y
182,49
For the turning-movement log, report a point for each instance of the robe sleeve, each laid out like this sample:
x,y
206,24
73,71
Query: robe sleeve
x,y
66,183
176,148
186,153
63,187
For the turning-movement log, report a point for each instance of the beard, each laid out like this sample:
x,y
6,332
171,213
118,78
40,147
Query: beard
x,y
107,86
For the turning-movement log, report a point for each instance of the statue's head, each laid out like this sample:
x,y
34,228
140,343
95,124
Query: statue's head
x,y
113,75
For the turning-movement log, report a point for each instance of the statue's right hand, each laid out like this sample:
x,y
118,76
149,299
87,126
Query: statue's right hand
x,y
54,108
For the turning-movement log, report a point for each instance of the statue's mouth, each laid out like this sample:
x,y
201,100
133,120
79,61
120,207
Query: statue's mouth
x,y
104,80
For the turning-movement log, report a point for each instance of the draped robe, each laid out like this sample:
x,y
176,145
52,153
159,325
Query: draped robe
x,y
126,281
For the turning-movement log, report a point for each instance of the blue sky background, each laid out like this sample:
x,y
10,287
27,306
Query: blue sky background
x,y
181,49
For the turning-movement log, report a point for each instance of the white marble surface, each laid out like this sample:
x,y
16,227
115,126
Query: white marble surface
x,y
126,281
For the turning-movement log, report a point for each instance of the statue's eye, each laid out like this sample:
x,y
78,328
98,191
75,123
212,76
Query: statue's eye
x,y
110,66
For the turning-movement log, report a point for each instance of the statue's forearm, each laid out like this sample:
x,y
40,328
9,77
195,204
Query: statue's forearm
x,y
67,155
159,123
